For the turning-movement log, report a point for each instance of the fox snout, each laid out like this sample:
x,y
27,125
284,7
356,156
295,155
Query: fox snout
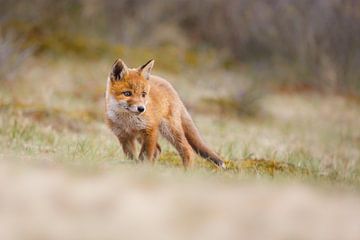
x,y
141,109
136,108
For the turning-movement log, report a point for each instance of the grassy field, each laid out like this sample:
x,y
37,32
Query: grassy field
x,y
53,113
297,158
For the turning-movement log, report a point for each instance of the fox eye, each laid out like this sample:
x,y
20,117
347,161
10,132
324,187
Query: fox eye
x,y
127,93
143,94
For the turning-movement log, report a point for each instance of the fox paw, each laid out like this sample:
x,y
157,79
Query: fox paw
x,y
223,166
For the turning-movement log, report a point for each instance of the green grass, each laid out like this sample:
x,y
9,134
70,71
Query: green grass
x,y
53,116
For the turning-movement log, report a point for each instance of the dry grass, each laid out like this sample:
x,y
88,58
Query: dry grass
x,y
63,175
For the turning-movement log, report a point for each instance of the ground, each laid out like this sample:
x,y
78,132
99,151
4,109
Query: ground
x,y
295,162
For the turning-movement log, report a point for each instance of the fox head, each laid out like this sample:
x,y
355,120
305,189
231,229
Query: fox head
x,y
128,88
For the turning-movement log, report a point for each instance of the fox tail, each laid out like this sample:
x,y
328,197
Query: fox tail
x,y
193,137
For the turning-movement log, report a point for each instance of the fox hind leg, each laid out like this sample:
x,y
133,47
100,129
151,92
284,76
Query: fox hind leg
x,y
176,136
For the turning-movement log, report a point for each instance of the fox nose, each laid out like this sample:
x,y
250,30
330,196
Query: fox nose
x,y
141,108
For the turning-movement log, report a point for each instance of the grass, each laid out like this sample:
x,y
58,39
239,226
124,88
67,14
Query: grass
x,y
292,168
52,114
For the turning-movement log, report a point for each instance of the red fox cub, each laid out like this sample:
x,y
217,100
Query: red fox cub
x,y
140,105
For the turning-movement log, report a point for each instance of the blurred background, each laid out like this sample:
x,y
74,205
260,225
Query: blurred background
x,y
291,44
274,87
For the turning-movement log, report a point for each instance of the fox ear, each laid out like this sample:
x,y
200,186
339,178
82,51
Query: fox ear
x,y
145,69
119,70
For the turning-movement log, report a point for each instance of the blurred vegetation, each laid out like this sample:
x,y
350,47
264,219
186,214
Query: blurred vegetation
x,y
246,102
302,43
12,55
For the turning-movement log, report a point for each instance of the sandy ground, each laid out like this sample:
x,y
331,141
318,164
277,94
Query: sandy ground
x,y
43,203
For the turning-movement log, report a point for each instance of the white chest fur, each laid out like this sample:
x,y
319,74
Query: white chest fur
x,y
124,123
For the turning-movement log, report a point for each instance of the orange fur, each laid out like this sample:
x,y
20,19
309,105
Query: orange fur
x,y
139,106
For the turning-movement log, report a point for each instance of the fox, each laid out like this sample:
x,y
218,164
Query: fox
x,y
140,106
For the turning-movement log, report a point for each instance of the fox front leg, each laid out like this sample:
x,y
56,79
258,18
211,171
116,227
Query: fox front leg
x,y
128,146
149,145
157,151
